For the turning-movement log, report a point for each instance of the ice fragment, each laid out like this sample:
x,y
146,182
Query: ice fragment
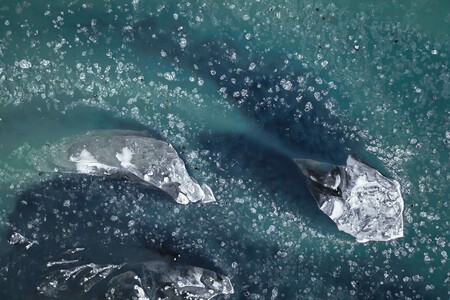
x,y
359,199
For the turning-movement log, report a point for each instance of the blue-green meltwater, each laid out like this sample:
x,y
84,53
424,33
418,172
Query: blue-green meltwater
x,y
224,150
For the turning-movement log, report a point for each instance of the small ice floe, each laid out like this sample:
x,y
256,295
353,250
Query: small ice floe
x,y
127,155
24,64
359,199
18,239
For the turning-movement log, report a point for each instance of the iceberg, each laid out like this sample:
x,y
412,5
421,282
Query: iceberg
x,y
359,199
161,280
142,280
127,155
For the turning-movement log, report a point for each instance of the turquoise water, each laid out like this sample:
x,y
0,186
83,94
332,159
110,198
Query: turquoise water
x,y
238,89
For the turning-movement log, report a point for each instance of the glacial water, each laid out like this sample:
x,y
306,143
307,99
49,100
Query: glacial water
x,y
239,88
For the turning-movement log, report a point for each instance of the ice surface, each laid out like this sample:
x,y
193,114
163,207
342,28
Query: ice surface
x,y
86,276
18,239
161,280
145,280
359,199
127,155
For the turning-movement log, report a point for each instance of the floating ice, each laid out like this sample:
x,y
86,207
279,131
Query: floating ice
x,y
24,64
161,280
128,155
18,239
359,199
86,276
144,280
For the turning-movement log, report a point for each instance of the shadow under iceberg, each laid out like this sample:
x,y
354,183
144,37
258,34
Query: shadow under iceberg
x,y
107,222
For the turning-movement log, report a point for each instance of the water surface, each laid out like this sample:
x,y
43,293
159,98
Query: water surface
x,y
238,89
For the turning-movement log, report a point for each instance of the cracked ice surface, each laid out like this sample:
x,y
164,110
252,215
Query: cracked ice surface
x,y
143,280
359,199
160,280
127,155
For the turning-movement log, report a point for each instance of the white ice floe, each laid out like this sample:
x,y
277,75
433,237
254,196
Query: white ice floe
x,y
358,198
129,155
18,239
24,64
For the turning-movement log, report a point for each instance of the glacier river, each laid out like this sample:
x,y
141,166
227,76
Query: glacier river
x,y
238,89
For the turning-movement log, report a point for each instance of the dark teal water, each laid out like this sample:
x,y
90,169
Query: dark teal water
x,y
238,89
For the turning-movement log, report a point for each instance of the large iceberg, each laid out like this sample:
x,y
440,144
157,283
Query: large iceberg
x,y
127,155
359,199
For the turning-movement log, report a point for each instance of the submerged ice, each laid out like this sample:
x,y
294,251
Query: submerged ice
x,y
359,199
160,280
127,155
144,280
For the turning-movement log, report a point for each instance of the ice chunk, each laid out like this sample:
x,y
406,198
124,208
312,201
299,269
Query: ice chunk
x,y
209,196
127,155
85,276
18,239
161,280
359,199
143,280
24,64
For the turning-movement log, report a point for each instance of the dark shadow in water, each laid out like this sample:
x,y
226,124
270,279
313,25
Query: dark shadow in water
x,y
115,222
242,157
72,212
273,107
120,222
